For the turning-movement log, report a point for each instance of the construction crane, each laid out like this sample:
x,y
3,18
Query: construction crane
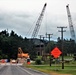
x,y
70,23
38,23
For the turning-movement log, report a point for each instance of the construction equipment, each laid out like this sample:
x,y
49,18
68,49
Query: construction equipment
x,y
70,23
21,54
38,23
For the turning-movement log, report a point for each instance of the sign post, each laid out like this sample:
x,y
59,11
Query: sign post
x,y
56,53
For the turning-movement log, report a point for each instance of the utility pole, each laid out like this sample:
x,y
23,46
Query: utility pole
x,y
62,45
43,48
40,44
40,36
49,36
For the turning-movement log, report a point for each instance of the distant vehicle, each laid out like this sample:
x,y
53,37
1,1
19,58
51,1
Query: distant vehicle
x,y
13,61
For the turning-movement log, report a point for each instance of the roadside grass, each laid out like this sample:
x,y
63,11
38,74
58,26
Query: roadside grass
x,y
69,68
56,68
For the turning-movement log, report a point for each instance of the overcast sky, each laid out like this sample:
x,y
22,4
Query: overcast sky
x,y
21,16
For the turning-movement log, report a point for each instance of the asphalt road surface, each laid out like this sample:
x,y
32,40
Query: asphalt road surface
x,y
18,70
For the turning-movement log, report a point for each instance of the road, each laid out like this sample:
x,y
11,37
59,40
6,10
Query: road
x,y
18,70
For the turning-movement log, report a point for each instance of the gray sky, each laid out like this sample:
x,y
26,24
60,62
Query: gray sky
x,y
21,16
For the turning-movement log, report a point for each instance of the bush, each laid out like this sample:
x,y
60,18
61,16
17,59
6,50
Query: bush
x,y
38,61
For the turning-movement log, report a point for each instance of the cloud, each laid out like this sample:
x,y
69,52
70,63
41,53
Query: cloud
x,y
23,24
21,16
14,21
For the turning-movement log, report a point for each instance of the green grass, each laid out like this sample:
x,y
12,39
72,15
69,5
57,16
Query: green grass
x,y
68,68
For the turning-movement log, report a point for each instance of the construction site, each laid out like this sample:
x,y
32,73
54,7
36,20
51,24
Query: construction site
x,y
37,37
22,57
39,43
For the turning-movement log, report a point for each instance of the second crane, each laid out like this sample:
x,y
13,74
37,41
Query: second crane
x,y
70,24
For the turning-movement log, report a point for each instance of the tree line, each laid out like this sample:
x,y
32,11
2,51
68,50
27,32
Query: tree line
x,y
69,46
9,43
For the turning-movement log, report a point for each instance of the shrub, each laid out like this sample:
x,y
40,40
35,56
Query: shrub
x,y
38,61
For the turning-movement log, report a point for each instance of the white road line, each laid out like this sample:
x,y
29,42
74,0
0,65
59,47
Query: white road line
x,y
25,70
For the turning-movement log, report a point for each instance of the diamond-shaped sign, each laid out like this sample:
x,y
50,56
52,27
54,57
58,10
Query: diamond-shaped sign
x,y
56,52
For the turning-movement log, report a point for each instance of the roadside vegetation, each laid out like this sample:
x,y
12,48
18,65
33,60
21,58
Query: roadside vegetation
x,y
56,67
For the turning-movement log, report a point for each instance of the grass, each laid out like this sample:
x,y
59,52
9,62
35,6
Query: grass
x,y
69,68
57,69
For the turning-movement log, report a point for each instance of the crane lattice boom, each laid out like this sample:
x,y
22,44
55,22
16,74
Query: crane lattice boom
x,y
70,23
38,23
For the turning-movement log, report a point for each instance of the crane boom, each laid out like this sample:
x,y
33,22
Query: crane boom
x,y
70,23
38,23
